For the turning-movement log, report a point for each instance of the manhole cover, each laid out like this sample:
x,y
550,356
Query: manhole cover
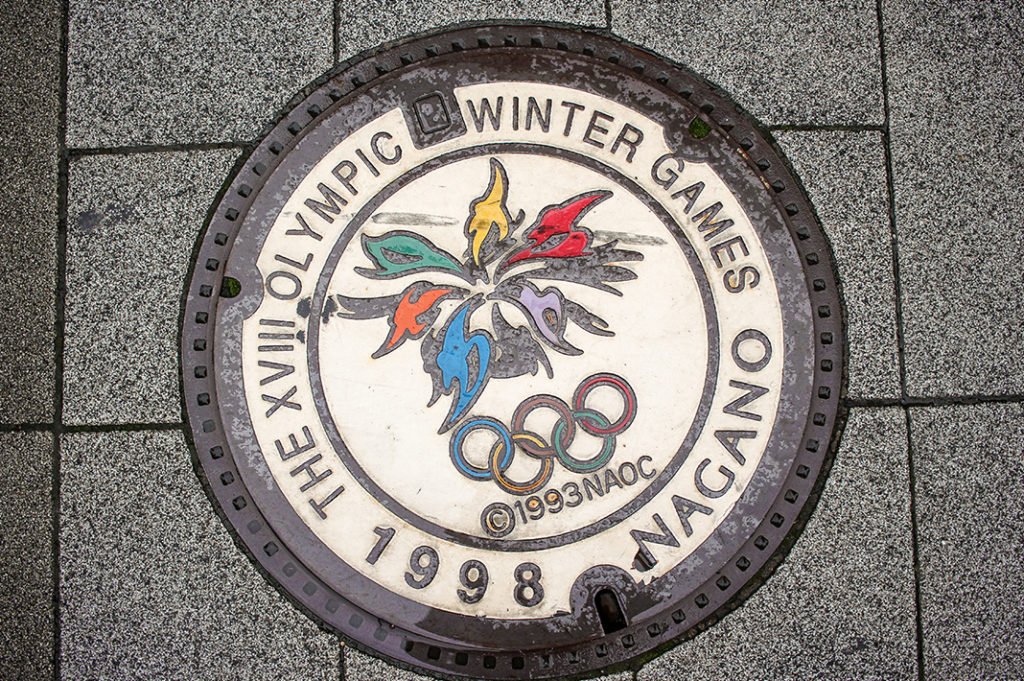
x,y
513,352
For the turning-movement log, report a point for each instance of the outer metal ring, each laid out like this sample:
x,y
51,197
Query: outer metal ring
x,y
401,640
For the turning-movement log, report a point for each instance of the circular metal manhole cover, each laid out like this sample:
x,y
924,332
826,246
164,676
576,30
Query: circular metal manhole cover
x,y
513,352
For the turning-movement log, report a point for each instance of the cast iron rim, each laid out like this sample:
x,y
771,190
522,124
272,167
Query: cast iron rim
x,y
736,579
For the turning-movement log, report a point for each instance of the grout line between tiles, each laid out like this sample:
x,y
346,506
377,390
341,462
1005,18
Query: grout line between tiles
x,y
608,14
900,337
915,552
60,296
875,402
893,234
935,401
26,427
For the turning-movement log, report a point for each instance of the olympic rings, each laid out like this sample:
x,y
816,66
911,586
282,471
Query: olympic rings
x,y
563,433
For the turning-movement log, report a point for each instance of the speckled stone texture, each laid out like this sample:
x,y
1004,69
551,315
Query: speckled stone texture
x,y
29,105
969,478
152,585
132,222
362,667
844,173
26,556
842,604
153,72
786,63
956,92
29,75
365,24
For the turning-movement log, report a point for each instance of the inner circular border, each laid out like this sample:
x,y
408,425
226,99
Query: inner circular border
x,y
475,541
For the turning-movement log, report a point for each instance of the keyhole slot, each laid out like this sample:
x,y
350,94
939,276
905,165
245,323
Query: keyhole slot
x,y
609,610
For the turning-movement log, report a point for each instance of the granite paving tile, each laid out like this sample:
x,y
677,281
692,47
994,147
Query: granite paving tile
x,y
844,174
29,124
132,222
153,586
26,556
28,218
29,76
969,476
956,92
153,72
365,24
841,606
787,63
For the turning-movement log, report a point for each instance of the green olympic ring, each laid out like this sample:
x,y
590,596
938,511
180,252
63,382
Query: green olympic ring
x,y
584,465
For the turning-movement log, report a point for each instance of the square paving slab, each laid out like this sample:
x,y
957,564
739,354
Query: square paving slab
x,y
364,25
362,667
786,63
132,222
152,585
956,98
28,202
969,483
153,72
30,76
29,130
844,172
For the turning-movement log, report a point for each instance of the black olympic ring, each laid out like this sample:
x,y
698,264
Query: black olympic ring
x,y
527,406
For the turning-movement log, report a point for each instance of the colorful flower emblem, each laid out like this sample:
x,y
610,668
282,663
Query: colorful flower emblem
x,y
504,263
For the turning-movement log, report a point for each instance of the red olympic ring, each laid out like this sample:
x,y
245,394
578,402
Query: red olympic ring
x,y
628,399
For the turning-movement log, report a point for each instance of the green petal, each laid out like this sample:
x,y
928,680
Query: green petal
x,y
399,253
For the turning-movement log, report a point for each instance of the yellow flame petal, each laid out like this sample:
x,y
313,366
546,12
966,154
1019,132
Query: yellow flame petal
x,y
489,210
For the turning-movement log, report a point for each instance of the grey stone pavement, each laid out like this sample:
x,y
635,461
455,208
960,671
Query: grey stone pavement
x,y
118,124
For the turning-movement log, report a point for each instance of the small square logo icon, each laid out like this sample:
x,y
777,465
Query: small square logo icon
x,y
431,113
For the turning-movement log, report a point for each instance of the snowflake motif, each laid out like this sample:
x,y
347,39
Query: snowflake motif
x,y
460,358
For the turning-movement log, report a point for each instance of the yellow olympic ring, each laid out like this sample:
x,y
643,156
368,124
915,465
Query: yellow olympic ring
x,y
512,486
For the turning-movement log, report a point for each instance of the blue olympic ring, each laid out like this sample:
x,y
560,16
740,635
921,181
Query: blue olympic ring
x,y
465,467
